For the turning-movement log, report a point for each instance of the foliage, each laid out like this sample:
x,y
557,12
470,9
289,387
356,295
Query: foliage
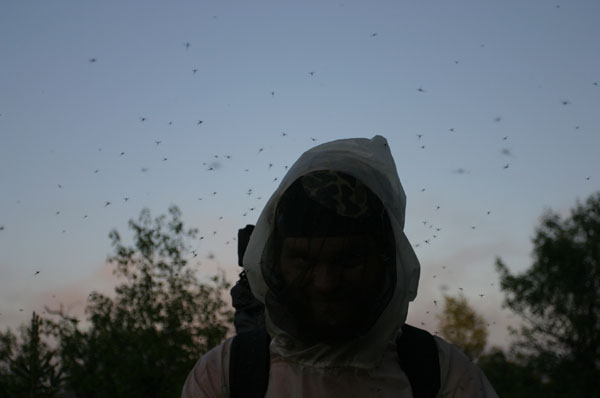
x,y
462,326
28,367
558,298
144,341
509,377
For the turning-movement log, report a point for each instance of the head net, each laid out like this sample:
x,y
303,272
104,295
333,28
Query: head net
x,y
329,204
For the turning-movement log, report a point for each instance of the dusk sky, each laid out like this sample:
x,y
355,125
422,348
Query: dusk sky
x,y
491,109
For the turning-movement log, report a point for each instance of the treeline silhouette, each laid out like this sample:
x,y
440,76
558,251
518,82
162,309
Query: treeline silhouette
x,y
144,340
556,352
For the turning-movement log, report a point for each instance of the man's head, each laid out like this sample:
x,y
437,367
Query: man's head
x,y
366,203
333,257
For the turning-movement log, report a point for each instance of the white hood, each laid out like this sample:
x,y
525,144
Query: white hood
x,y
370,161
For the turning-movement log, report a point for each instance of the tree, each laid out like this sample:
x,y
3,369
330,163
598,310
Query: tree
x,y
558,298
145,340
28,367
462,326
509,377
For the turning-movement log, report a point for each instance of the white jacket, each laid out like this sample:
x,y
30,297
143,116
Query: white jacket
x,y
367,365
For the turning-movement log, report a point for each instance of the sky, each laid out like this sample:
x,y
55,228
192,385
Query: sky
x,y
490,109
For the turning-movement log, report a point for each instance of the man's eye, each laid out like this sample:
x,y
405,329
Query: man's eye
x,y
299,261
352,262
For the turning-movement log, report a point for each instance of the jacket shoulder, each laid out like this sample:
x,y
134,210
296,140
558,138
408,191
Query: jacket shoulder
x,y
209,378
459,376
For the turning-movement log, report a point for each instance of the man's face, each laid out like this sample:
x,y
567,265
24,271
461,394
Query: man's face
x,y
335,279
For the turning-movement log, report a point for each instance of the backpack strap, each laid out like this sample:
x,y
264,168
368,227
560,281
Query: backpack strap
x,y
418,356
249,364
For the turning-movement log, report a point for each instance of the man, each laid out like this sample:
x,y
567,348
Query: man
x,y
329,259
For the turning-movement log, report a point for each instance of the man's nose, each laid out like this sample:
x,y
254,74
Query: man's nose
x,y
325,277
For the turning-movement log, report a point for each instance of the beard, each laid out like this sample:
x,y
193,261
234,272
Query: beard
x,y
329,319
